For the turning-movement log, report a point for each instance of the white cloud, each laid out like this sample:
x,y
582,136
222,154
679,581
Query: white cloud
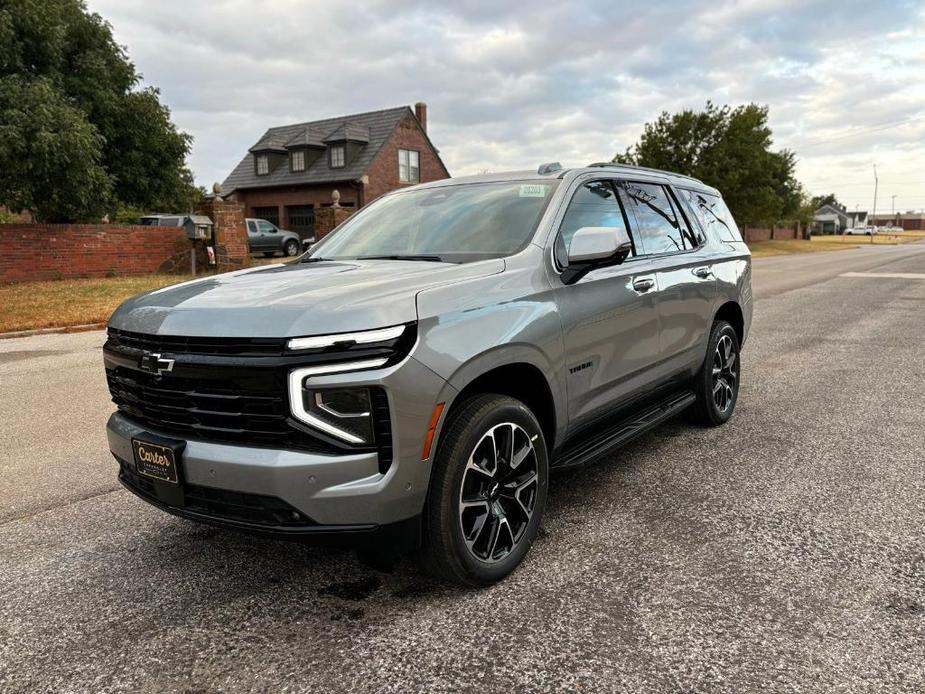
x,y
511,84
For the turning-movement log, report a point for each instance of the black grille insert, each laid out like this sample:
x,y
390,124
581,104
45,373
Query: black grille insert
x,y
223,504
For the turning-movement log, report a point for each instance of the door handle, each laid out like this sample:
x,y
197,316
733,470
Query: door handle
x,y
703,272
643,284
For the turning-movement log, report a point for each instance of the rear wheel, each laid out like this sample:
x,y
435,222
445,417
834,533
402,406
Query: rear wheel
x,y
487,493
291,248
716,385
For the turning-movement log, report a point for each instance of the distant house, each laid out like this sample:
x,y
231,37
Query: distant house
x,y
293,169
835,219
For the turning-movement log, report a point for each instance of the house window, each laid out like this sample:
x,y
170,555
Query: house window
x,y
263,165
337,156
297,160
409,166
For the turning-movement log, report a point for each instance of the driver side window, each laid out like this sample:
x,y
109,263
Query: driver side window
x,y
266,227
595,204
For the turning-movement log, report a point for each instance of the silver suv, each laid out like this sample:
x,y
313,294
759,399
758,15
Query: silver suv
x,y
412,382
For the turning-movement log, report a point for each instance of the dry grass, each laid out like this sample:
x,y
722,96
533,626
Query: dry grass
x,y
32,305
889,239
761,249
828,243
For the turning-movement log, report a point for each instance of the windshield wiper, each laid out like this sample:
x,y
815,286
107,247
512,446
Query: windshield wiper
x,y
430,258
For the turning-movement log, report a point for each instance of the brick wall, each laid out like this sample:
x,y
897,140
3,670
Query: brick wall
x,y
232,251
383,170
55,251
327,218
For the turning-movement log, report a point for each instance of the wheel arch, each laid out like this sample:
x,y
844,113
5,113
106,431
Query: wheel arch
x,y
731,312
519,379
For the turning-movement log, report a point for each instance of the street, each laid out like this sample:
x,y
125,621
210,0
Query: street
x,y
783,551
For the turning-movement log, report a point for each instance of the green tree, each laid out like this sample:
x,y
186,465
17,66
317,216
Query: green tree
x,y
730,149
78,137
828,199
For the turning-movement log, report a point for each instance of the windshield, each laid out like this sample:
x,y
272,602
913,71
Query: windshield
x,y
455,223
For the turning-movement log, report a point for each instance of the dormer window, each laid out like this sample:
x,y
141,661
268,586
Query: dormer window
x,y
263,164
297,160
337,156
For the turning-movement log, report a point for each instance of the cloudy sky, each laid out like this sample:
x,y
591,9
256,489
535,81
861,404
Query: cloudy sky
x,y
513,84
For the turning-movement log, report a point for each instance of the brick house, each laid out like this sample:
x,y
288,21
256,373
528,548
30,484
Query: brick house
x,y
292,170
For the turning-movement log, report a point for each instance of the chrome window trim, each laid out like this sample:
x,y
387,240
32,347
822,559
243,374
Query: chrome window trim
x,y
297,406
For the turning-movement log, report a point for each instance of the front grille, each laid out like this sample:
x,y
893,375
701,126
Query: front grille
x,y
223,504
238,409
216,394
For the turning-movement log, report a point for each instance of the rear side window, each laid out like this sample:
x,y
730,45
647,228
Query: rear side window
x,y
595,204
713,215
661,228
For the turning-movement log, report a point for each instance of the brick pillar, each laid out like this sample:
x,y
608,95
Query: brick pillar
x,y
231,248
326,218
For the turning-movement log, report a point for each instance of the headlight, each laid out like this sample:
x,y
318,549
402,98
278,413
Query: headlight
x,y
342,412
347,411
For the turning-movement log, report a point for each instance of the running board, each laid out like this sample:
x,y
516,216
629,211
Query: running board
x,y
590,449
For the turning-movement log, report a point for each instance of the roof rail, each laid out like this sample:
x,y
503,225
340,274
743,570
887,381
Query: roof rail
x,y
549,168
614,165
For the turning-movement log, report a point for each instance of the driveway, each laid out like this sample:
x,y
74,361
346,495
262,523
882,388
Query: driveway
x,y
783,551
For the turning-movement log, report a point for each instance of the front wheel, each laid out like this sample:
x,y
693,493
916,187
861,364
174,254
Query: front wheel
x,y
291,248
487,492
716,384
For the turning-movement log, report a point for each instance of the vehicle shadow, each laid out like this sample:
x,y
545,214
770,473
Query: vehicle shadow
x,y
205,566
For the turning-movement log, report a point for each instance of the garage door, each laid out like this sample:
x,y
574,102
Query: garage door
x,y
302,220
271,214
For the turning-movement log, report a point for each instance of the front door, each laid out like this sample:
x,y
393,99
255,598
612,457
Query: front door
x,y
609,317
253,236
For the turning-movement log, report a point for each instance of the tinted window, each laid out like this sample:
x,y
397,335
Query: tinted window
x,y
252,226
713,215
659,227
595,204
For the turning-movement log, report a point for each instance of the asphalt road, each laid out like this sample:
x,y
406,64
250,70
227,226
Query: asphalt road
x,y
782,552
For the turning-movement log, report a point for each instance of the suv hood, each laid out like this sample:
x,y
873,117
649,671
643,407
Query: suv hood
x,y
293,299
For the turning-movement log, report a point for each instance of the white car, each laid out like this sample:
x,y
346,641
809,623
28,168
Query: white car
x,y
861,231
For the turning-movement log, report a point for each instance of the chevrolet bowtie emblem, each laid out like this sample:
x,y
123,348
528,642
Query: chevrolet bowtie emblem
x,y
155,363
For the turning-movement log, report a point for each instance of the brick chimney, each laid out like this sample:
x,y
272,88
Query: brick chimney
x,y
420,110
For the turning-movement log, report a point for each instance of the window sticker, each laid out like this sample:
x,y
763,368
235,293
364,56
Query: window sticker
x,y
533,191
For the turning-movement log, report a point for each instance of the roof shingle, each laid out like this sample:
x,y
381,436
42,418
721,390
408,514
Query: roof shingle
x,y
374,126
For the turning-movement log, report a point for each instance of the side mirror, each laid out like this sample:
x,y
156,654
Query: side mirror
x,y
595,247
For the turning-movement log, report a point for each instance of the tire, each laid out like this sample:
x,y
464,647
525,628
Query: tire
x,y
716,401
291,248
480,541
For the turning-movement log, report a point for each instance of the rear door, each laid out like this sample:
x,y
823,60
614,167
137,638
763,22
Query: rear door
x,y
609,316
683,266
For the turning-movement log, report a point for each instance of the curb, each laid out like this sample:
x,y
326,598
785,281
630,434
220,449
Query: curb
x,y
53,331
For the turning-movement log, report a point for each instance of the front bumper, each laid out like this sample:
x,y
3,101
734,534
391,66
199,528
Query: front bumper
x,y
342,494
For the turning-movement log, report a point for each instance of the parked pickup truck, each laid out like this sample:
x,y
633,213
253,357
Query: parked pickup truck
x,y
412,381
267,238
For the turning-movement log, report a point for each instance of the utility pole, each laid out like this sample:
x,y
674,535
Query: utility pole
x,y
872,223
893,210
